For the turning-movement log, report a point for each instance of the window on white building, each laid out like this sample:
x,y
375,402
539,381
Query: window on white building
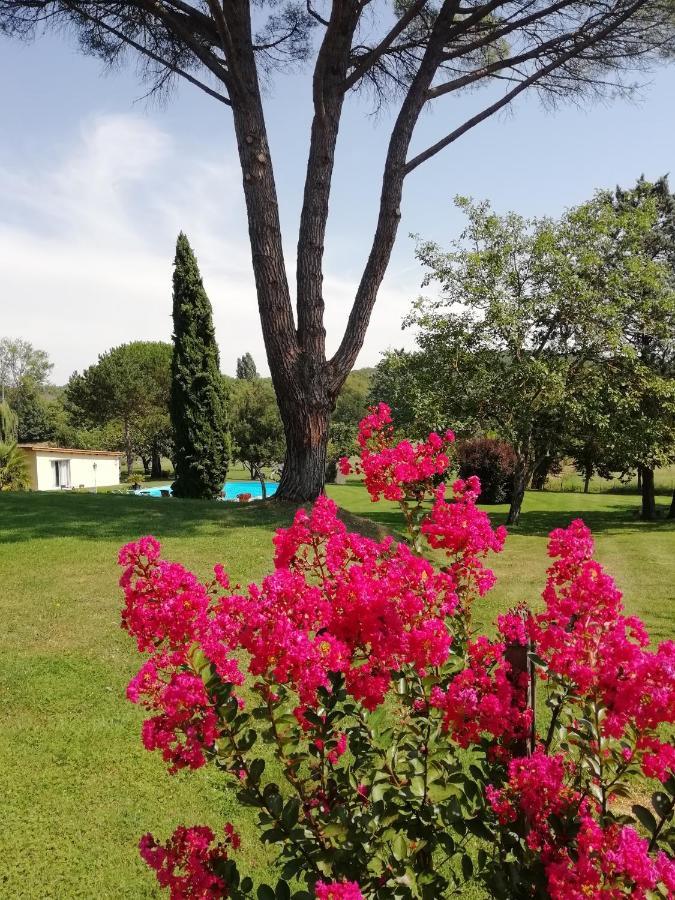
x,y
61,472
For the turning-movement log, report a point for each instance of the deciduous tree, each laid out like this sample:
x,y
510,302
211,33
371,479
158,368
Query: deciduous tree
x,y
19,361
246,367
124,386
530,312
413,53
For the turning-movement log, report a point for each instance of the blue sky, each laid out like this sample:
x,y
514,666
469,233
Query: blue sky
x,y
95,184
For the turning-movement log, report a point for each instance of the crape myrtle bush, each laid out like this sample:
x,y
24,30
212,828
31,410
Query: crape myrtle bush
x,y
493,462
410,762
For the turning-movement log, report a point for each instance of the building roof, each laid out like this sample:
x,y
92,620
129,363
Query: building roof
x,y
71,451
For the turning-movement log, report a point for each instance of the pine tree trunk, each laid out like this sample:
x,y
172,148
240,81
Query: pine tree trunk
x,y
671,511
648,512
520,478
304,473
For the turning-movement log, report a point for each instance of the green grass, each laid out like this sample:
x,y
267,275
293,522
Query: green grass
x,y
77,787
640,555
570,480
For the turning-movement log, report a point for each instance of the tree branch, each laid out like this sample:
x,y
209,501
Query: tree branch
x,y
372,56
155,57
328,96
575,51
390,198
204,55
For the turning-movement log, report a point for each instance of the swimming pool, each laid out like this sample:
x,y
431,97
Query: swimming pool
x,y
231,489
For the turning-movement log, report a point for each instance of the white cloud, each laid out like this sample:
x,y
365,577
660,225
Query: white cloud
x,y
86,246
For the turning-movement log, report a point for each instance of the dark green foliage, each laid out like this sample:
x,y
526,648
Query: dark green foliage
x,y
246,369
493,461
197,404
128,387
35,415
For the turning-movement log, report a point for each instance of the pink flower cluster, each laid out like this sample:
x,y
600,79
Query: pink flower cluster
x,y
394,471
187,863
338,890
186,722
335,602
608,864
580,862
536,789
588,643
339,602
167,610
464,532
485,699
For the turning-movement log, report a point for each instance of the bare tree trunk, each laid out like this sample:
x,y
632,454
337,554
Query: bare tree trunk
x,y
128,448
648,512
587,478
520,479
671,511
639,479
145,462
156,466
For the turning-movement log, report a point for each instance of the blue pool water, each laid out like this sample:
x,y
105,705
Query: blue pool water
x,y
230,490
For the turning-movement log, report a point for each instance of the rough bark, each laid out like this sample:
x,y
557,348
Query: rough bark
x,y
648,511
671,511
304,472
520,479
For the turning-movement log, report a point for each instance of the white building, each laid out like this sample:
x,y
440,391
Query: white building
x,y
61,468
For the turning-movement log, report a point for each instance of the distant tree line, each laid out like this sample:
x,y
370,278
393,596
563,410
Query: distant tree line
x,y
156,401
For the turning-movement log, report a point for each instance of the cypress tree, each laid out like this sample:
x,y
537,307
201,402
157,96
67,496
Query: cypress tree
x,y
197,404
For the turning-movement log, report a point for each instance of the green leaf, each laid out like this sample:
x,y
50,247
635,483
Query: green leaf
x,y
417,786
283,891
246,885
467,867
289,816
478,828
378,790
400,847
643,816
265,892
256,770
661,804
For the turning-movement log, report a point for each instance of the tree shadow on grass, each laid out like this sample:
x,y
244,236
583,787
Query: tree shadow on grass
x,y
34,516
26,517
622,517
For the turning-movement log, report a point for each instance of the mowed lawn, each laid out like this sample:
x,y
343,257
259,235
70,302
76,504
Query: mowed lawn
x,y
77,788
